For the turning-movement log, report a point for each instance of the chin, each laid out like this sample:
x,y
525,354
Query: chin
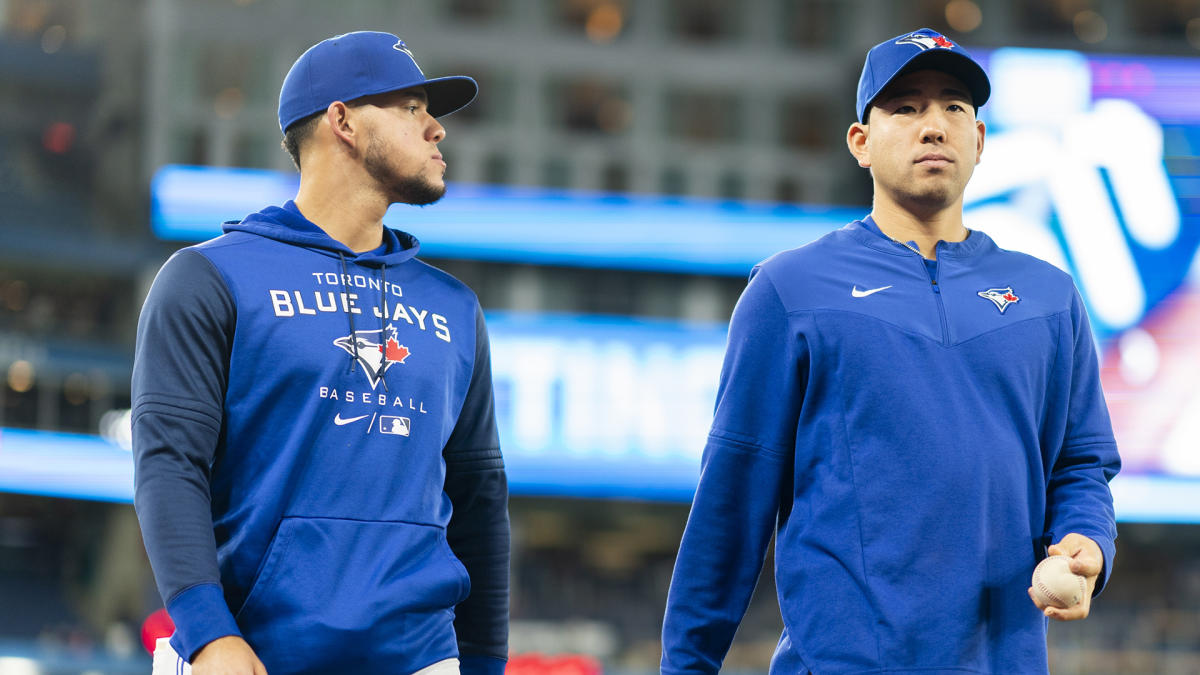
x,y
418,192
931,200
935,190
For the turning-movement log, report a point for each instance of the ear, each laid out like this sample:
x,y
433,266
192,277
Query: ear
x,y
341,123
858,140
981,129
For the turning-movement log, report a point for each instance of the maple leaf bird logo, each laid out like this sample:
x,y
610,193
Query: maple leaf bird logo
x,y
1001,297
377,350
926,41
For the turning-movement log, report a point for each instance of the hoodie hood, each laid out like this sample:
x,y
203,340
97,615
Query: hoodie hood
x,y
287,224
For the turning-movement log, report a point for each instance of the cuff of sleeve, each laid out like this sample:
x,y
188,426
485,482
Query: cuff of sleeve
x,y
481,665
1109,549
201,616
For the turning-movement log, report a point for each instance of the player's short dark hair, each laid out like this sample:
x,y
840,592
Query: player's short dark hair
x,y
299,132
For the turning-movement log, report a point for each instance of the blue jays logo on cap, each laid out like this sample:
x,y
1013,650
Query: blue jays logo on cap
x,y
926,41
401,47
921,49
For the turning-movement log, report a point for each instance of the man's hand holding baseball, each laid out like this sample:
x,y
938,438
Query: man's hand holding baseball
x,y
1087,561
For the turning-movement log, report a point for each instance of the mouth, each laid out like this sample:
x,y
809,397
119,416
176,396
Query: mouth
x,y
934,160
438,158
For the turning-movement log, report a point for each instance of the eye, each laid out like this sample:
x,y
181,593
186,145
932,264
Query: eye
x,y
957,107
905,109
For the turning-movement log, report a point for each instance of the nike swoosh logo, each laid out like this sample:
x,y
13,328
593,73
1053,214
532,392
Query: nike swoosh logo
x,y
339,421
862,294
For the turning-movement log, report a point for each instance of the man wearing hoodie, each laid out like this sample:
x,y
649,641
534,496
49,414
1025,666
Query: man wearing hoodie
x,y
915,412
318,475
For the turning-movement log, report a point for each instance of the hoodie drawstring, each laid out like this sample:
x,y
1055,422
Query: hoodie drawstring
x,y
353,333
382,320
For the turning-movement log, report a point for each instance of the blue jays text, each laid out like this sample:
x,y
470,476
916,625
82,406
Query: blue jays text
x,y
295,303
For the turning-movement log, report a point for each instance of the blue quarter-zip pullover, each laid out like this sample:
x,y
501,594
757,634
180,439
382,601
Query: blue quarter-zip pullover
x,y
915,436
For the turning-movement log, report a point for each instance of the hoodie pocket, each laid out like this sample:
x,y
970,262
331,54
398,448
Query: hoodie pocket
x,y
343,584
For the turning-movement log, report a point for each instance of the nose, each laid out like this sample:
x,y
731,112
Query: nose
x,y
436,131
934,124
933,131
934,128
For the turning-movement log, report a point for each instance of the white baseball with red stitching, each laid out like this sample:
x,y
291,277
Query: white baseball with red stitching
x,y
1054,583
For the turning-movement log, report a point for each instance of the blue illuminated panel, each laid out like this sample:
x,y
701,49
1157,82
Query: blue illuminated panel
x,y
525,225
601,406
64,465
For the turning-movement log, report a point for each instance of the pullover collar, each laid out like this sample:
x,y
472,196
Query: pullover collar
x,y
868,232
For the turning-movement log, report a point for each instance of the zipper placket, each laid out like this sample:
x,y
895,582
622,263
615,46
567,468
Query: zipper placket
x,y
937,293
937,289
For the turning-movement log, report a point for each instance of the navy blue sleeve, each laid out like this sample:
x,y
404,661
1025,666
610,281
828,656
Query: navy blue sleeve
x,y
180,371
478,532
745,467
1078,497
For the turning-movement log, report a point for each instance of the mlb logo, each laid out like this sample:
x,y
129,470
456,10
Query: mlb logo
x,y
396,426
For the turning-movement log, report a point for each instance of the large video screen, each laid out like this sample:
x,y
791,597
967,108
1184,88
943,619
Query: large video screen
x,y
1091,162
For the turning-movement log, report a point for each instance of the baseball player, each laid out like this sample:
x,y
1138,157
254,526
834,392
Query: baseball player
x,y
318,475
915,412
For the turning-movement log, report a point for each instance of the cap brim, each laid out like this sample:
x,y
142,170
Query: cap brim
x,y
448,94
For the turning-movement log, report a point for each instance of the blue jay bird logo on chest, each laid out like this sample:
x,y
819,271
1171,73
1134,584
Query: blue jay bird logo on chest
x,y
1001,297
374,350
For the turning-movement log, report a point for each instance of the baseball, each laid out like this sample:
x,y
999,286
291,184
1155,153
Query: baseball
x,y
1055,585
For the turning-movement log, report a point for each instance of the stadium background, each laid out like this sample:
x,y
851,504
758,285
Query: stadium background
x,y
645,142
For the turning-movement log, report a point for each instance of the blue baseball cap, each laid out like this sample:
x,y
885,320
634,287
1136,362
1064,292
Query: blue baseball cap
x,y
363,63
923,49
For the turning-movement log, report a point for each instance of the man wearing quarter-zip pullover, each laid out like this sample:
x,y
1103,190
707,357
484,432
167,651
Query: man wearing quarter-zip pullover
x,y
318,475
914,411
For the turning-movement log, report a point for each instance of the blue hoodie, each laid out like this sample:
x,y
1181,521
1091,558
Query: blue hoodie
x,y
316,461
916,435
